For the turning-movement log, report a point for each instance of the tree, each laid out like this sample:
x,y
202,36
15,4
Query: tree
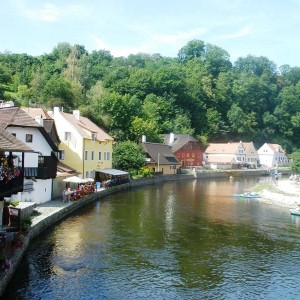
x,y
216,60
120,110
140,127
128,156
295,166
192,49
5,77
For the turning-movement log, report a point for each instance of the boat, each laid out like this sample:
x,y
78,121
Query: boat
x,y
247,195
295,211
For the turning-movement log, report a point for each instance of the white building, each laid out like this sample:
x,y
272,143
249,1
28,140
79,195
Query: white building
x,y
225,155
252,157
272,155
40,167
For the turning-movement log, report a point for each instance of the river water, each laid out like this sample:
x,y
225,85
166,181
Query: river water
x,y
177,240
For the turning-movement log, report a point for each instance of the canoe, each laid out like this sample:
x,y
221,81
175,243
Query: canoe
x,y
295,212
251,195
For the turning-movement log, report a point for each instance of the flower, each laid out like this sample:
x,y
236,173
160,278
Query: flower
x,y
8,170
5,264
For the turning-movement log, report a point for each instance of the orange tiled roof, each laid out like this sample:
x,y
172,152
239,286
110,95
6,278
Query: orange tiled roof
x,y
222,148
275,147
84,124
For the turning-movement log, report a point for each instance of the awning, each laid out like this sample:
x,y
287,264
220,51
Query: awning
x,y
114,172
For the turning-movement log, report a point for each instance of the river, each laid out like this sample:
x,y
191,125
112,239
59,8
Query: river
x,y
177,240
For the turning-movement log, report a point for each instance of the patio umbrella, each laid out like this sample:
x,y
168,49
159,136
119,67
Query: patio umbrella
x,y
75,179
89,179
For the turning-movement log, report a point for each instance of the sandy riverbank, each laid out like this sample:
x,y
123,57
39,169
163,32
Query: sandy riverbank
x,y
285,194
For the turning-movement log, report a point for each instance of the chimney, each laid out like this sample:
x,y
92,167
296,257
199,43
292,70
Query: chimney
x,y
143,139
39,119
172,138
76,114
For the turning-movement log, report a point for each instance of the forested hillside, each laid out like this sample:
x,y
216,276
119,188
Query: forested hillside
x,y
199,92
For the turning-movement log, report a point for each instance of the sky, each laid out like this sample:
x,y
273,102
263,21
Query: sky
x,y
269,28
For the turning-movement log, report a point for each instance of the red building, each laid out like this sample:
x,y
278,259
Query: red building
x,y
186,149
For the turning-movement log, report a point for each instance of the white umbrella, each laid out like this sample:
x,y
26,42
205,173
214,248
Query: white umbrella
x,y
75,179
90,179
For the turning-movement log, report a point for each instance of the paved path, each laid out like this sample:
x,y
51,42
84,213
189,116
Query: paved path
x,y
49,208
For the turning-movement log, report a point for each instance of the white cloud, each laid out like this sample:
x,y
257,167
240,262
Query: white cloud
x,y
122,50
246,31
48,13
51,13
178,37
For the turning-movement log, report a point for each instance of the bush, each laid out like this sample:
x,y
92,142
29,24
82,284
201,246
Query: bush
x,y
26,223
13,203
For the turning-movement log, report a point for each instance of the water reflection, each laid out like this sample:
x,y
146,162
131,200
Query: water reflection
x,y
179,240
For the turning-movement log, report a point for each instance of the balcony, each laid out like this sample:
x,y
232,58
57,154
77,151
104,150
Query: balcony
x,y
46,169
13,186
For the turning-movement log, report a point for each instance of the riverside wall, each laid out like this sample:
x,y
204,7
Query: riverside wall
x,y
50,219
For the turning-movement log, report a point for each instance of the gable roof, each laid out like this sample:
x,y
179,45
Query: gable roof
x,y
15,116
33,112
10,143
48,122
160,153
222,148
180,140
276,147
84,124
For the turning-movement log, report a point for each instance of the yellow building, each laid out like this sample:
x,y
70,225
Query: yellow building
x,y
84,146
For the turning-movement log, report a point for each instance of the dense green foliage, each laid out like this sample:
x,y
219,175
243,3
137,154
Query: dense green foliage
x,y
128,156
295,159
200,92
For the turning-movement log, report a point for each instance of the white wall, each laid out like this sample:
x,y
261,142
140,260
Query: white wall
x,y
42,187
38,144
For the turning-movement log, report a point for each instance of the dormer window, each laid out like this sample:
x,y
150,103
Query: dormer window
x,y
94,136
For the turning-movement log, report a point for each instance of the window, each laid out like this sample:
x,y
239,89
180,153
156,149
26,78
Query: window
x,y
28,138
67,136
62,154
14,134
99,156
106,155
94,136
41,160
92,155
85,155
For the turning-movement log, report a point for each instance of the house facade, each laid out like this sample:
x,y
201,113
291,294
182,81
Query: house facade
x,y
160,158
84,146
40,166
11,168
272,155
252,157
225,156
187,149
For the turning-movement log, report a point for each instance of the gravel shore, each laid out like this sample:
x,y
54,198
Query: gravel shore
x,y
285,194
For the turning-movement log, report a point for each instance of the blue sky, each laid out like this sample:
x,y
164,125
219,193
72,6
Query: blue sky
x,y
268,28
